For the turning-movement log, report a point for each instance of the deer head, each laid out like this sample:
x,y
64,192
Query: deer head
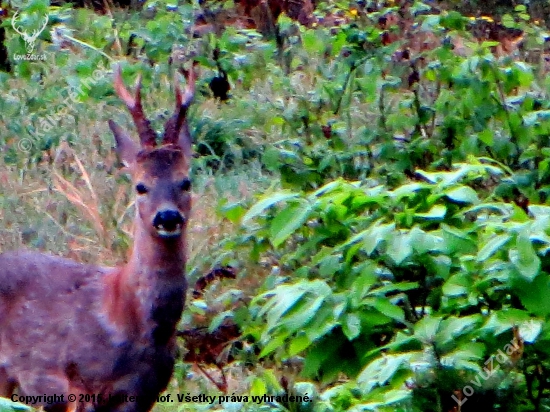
x,y
160,172
30,40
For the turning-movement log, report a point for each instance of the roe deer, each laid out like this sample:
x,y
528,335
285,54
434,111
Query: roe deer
x,y
106,334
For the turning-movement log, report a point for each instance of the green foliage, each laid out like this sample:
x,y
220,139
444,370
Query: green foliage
x,y
8,406
403,289
404,221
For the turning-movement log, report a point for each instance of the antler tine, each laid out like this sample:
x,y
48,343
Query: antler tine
x,y
45,22
146,133
13,23
176,123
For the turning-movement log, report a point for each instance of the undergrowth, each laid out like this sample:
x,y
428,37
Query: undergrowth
x,y
379,185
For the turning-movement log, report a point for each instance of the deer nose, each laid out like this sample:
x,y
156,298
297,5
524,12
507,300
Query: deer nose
x,y
168,223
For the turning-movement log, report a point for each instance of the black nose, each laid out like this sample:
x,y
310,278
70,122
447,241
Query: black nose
x,y
169,220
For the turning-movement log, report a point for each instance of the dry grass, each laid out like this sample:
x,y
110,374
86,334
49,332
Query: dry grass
x,y
76,202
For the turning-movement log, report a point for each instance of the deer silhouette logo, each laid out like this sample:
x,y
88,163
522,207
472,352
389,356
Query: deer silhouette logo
x,y
30,39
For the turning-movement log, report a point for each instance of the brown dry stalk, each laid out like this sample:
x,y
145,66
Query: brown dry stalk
x,y
89,209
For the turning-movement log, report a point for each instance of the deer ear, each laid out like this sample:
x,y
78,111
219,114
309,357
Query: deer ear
x,y
126,148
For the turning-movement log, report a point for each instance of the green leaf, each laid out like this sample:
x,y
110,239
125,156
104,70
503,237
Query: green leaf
x,y
407,190
352,326
382,369
312,43
371,236
233,212
274,343
338,42
384,306
285,297
462,194
534,294
288,221
394,287
218,320
266,203
436,212
527,269
334,186
375,236
423,242
524,257
457,240
454,289
396,395
270,158
257,387
426,329
322,324
303,314
530,330
271,380
492,246
329,266
503,320
453,328
441,265
486,137
539,211
399,248
465,358
494,207
298,345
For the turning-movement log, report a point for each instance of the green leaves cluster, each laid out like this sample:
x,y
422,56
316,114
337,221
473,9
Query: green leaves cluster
x,y
383,109
409,243
405,291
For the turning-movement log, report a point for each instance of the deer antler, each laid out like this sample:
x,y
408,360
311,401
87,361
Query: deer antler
x,y
175,124
38,31
146,133
13,20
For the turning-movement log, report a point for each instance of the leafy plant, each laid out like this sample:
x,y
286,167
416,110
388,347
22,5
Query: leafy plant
x,y
404,291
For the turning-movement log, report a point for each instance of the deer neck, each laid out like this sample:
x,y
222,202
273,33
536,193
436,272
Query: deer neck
x,y
153,257
145,298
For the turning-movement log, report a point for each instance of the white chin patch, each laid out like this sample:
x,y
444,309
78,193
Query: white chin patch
x,y
163,232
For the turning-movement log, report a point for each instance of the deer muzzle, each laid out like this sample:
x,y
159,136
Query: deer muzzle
x,y
169,223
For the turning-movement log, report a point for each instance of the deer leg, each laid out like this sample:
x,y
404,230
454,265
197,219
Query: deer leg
x,y
144,388
7,385
127,395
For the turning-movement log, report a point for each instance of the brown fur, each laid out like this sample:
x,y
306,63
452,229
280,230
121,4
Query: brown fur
x,y
69,328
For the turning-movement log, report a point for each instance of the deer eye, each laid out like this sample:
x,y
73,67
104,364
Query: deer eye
x,y
141,188
185,185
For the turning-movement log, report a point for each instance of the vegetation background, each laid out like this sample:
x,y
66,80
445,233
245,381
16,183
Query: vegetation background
x,y
371,181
